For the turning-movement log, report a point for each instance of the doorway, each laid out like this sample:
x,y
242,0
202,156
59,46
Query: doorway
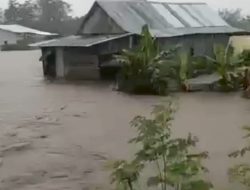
x,y
49,65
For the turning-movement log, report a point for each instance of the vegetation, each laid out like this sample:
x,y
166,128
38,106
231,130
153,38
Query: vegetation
x,y
139,66
149,69
245,55
235,18
48,15
227,65
176,163
241,172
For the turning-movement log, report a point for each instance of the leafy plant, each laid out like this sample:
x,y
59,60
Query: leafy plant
x,y
241,172
177,164
226,64
245,55
176,65
135,75
125,175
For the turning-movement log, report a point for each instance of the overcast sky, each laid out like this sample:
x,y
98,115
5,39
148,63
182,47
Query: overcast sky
x,y
81,7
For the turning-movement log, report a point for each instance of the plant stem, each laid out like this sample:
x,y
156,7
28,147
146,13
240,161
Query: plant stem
x,y
130,184
159,171
165,168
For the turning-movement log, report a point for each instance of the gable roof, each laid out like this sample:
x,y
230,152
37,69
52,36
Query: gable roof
x,y
19,29
165,19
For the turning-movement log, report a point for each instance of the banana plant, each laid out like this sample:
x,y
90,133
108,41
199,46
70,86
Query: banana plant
x,y
139,66
225,63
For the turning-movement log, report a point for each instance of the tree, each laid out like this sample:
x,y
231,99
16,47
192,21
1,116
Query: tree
x,y
47,15
55,16
26,12
235,18
177,165
53,10
11,14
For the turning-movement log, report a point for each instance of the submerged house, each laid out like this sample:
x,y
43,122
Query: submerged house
x,y
13,34
111,26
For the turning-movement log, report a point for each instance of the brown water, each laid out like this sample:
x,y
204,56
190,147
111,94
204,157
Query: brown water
x,y
58,136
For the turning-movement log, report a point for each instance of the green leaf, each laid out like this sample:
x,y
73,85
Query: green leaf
x,y
198,185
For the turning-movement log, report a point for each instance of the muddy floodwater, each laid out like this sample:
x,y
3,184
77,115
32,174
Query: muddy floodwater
x,y
60,135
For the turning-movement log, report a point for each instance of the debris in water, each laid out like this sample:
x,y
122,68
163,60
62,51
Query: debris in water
x,y
1,162
59,175
16,147
63,108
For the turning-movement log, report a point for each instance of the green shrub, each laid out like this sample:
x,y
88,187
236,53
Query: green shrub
x,y
245,55
226,64
176,163
241,172
140,67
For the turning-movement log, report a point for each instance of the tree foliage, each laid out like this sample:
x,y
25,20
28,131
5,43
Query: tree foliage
x,y
177,164
241,172
48,15
235,18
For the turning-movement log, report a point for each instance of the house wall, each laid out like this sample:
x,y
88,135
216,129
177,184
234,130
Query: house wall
x,y
201,44
9,37
240,43
115,46
85,63
80,63
100,23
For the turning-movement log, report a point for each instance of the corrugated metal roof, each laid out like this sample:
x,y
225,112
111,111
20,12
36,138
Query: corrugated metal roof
x,y
172,32
79,41
190,17
15,28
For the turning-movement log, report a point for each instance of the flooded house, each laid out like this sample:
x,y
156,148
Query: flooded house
x,y
15,34
111,26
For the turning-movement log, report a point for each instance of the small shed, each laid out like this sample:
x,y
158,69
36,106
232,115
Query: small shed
x,y
111,26
14,34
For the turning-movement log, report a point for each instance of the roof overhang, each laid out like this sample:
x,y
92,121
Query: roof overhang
x,y
80,41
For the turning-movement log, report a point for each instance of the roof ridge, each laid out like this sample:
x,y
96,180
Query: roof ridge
x,y
181,3
150,1
135,1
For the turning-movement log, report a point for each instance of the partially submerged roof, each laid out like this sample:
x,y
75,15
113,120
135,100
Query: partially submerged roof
x,y
162,17
15,28
79,41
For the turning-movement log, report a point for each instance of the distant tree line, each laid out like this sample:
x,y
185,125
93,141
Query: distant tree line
x,y
47,15
236,18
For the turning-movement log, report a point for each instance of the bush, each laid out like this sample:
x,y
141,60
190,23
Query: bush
x,y
245,55
176,163
227,65
241,172
139,65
